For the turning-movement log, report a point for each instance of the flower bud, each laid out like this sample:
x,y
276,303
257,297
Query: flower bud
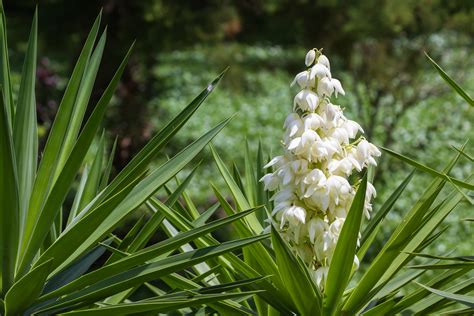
x,y
337,87
302,79
310,57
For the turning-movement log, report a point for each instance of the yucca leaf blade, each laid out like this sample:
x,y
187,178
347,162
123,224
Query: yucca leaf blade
x,y
418,295
296,278
77,269
370,232
147,187
458,258
463,299
147,253
342,261
204,217
239,197
25,131
262,195
68,173
129,278
263,261
124,245
160,305
227,307
81,102
443,266
73,236
465,154
151,149
146,233
434,303
78,196
5,79
108,167
441,211
250,180
451,82
273,295
48,164
91,187
385,208
9,213
429,170
381,309
362,293
26,289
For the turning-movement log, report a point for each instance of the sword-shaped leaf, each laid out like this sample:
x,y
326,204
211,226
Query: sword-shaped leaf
x,y
451,82
296,278
9,213
151,271
26,289
342,261
25,131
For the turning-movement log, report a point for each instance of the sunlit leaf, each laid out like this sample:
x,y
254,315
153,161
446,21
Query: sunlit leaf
x,y
296,278
451,82
25,131
463,299
343,259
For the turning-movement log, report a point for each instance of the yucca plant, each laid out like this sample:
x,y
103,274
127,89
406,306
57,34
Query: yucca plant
x,y
48,248
389,284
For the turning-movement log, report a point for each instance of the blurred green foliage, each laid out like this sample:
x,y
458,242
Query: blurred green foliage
x,y
259,92
376,48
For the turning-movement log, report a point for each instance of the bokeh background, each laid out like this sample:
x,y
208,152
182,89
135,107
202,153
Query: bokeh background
x,y
376,49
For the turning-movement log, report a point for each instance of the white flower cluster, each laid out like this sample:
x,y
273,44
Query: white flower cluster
x,y
312,177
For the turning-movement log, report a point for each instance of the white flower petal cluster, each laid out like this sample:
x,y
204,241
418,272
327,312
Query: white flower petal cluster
x,y
322,150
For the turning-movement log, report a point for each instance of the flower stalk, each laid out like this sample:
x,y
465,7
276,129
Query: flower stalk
x,y
322,149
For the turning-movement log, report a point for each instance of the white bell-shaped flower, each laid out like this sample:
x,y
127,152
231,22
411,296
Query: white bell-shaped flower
x,y
338,189
314,180
306,100
320,275
313,121
352,128
271,182
370,193
319,71
294,215
337,87
293,124
325,87
324,149
278,160
324,61
344,166
366,153
302,79
316,228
